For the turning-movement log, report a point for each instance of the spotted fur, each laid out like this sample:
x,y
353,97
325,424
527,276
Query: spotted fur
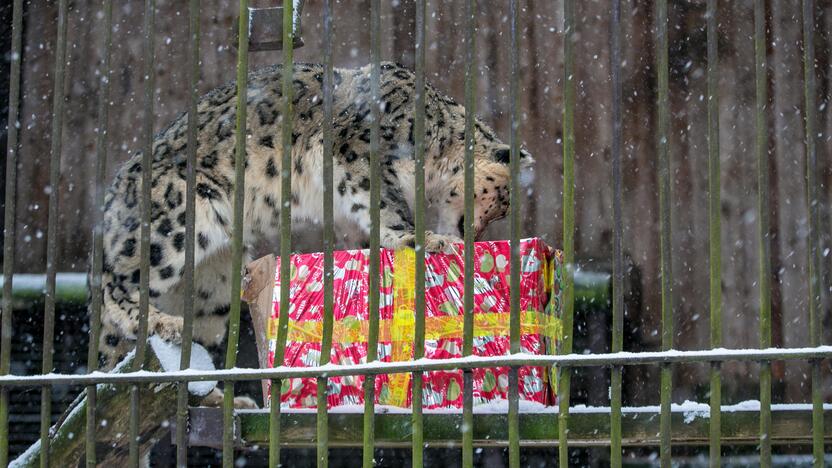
x,y
444,147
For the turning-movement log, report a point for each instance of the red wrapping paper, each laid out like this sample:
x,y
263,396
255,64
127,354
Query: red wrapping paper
x,y
540,286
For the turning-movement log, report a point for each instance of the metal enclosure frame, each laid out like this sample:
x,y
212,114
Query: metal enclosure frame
x,y
564,362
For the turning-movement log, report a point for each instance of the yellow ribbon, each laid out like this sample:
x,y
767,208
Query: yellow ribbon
x,y
487,324
404,322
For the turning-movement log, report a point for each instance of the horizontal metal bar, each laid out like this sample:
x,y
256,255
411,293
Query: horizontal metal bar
x,y
426,365
791,424
592,288
28,288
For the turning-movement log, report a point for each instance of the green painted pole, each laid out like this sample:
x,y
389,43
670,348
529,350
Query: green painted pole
x,y
287,113
813,190
515,198
190,233
58,98
417,444
329,241
375,200
9,222
96,292
565,373
468,299
144,243
236,237
764,252
714,232
617,255
665,226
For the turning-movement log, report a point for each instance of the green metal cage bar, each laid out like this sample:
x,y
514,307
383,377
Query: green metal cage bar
x,y
767,426
417,445
812,190
592,288
285,224
58,98
375,199
9,222
190,231
617,255
237,235
144,237
764,252
666,266
96,292
468,298
329,241
565,373
714,231
515,197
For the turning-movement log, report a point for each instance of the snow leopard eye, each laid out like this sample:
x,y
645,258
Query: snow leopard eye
x,y
502,155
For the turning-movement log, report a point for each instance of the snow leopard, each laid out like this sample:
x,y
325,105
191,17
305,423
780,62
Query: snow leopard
x,y
216,137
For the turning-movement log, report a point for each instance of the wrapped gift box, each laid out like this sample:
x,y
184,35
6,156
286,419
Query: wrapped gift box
x,y
540,287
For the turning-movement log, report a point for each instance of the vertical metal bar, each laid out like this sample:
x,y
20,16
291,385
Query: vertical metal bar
x,y
96,293
190,233
714,230
58,98
664,214
618,259
375,197
8,224
237,235
329,241
565,373
761,150
285,226
809,91
419,231
144,242
515,198
468,289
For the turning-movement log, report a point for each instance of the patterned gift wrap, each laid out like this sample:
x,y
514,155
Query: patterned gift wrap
x,y
540,287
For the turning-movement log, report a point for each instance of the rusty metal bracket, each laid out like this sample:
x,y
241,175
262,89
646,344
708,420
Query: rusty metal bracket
x,y
265,28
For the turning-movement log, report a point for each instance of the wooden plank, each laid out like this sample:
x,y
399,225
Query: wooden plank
x,y
640,427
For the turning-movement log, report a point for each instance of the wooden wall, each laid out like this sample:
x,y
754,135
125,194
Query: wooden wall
x,y
541,101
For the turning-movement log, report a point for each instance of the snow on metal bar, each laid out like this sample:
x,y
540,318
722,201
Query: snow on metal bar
x,y
426,365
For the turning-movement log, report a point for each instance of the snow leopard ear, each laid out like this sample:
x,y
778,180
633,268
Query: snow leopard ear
x,y
503,155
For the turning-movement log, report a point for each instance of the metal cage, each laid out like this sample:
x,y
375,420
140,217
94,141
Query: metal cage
x,y
615,428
